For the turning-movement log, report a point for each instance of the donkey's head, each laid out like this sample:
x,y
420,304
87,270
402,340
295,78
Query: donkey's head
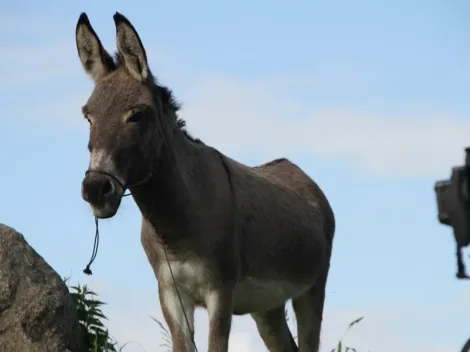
x,y
125,114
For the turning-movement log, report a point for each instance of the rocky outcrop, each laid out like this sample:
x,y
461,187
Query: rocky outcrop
x,y
36,310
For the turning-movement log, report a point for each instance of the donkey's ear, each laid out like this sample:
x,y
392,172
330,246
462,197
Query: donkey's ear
x,y
95,60
130,48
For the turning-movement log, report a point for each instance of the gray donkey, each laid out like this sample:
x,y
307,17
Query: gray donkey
x,y
218,234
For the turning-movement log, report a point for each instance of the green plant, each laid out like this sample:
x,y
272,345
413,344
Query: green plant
x,y
339,347
166,337
95,336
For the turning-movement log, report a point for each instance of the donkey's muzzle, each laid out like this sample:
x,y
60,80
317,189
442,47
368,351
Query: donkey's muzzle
x,y
103,193
97,189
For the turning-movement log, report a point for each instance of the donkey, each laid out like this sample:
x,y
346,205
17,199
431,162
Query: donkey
x,y
218,234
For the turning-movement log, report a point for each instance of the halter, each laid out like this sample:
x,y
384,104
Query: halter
x,y
87,269
123,186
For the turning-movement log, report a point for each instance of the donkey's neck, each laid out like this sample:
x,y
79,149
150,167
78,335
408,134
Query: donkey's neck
x,y
167,200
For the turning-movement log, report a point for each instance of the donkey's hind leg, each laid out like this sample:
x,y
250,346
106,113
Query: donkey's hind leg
x,y
272,327
309,313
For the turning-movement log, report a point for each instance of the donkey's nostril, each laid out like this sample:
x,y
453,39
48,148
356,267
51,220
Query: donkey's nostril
x,y
108,188
97,189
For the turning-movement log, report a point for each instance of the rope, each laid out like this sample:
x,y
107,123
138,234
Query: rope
x,y
87,270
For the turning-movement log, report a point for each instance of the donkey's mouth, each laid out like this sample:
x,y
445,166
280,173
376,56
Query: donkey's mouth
x,y
108,207
104,212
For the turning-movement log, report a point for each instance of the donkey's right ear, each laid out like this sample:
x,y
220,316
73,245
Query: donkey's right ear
x,y
95,59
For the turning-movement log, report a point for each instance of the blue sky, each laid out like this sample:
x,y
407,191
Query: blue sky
x,y
369,97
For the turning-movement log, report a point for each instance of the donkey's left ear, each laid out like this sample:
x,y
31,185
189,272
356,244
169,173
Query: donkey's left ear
x,y
130,48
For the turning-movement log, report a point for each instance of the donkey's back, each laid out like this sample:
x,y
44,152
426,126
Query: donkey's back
x,y
290,186
288,174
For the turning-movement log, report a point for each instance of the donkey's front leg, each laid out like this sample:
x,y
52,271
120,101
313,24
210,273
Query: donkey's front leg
x,y
219,307
179,316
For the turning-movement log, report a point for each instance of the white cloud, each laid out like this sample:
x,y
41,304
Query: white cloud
x,y
243,117
240,341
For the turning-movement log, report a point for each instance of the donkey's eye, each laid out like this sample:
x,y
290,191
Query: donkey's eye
x,y
136,118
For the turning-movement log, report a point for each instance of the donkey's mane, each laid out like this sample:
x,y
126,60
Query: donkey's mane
x,y
165,95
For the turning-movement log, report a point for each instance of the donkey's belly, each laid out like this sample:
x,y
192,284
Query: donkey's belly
x,y
255,295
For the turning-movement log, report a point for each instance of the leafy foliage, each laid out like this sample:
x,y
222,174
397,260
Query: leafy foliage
x,y
95,336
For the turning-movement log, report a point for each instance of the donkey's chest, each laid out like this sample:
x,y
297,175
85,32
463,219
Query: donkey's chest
x,y
190,276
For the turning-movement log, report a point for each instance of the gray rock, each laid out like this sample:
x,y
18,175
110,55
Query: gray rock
x,y
37,313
